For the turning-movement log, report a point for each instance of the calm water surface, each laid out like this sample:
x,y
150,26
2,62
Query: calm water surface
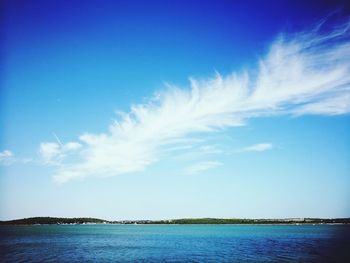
x,y
175,243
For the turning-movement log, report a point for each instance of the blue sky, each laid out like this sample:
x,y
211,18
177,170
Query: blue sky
x,y
171,109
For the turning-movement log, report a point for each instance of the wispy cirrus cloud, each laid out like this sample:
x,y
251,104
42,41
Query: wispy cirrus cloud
x,y
53,153
259,147
307,73
201,167
7,157
339,104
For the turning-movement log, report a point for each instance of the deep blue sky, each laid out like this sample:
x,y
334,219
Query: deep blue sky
x,y
126,49
67,66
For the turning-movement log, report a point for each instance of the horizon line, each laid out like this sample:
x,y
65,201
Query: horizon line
x,y
183,218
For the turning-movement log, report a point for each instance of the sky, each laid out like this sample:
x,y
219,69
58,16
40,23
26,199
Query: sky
x,y
174,109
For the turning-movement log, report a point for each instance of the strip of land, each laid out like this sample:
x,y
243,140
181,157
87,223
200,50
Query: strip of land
x,y
87,220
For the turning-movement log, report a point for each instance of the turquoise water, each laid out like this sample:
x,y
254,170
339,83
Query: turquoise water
x,y
175,243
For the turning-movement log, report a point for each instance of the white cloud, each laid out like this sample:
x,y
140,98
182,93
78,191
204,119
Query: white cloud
x,y
260,147
332,106
6,157
71,146
202,166
53,153
5,154
50,152
304,74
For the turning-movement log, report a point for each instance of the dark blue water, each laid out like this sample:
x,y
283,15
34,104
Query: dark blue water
x,y
175,243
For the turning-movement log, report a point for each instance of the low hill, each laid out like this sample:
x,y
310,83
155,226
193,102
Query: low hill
x,y
87,220
53,220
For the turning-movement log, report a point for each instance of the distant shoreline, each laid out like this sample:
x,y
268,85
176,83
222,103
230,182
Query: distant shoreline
x,y
185,221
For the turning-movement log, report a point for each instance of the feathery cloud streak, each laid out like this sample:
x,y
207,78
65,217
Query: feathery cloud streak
x,y
260,147
53,153
5,156
308,73
201,167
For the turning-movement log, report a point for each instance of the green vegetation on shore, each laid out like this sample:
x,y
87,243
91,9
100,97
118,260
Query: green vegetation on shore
x,y
53,220
80,220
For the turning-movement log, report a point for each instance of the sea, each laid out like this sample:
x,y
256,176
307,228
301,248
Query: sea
x,y
175,243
